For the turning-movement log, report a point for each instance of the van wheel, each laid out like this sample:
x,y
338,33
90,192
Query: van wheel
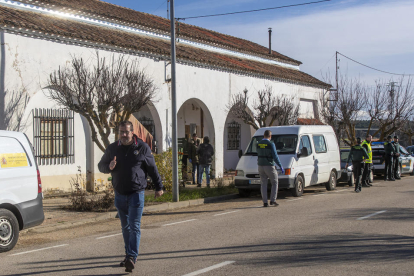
x,y
351,180
299,184
244,193
331,184
9,230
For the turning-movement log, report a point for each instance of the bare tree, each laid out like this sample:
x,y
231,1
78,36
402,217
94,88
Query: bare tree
x,y
267,110
347,107
408,130
101,91
14,109
390,113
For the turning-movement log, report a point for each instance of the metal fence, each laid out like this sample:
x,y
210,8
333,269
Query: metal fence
x,y
53,136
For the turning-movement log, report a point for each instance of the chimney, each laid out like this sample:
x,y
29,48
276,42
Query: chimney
x,y
270,41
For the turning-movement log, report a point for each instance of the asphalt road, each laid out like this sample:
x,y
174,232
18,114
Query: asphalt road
x,y
321,233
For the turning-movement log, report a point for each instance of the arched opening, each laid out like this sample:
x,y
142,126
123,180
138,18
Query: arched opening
x,y
193,117
148,116
237,136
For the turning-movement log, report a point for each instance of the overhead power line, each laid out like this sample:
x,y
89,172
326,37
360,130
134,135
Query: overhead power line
x,y
374,68
265,9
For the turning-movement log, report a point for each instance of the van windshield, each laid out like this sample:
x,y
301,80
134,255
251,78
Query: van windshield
x,y
285,144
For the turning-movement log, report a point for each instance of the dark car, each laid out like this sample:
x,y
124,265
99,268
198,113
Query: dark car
x,y
378,159
410,150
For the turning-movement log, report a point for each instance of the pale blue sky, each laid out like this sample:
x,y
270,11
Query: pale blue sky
x,y
376,32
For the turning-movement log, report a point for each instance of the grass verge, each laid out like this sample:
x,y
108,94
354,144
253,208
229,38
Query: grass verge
x,y
193,193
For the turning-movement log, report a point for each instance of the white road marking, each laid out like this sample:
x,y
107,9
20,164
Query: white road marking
x,y
320,194
374,214
198,272
104,237
343,190
226,213
299,198
178,222
21,253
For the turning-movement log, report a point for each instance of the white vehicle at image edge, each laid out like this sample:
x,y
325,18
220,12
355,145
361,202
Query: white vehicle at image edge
x,y
21,197
309,155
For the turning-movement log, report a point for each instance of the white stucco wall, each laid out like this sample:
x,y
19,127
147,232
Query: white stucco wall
x,y
29,62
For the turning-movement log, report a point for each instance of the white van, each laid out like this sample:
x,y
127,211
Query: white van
x,y
309,155
21,194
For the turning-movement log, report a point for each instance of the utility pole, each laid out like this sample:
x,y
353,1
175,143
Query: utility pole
x,y
174,108
336,70
168,11
392,98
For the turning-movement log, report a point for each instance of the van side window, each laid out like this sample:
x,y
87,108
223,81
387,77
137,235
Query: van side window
x,y
12,154
319,143
305,143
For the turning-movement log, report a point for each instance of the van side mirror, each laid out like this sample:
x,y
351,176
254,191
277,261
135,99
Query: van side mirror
x,y
240,153
304,152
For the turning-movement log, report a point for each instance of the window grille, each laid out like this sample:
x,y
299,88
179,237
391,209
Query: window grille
x,y
233,136
53,133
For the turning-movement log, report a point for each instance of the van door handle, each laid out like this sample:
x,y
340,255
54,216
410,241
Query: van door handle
x,y
313,157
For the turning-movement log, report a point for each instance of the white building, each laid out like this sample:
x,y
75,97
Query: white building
x,y
39,36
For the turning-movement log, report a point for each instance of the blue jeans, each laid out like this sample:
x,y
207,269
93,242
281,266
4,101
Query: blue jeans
x,y
195,169
200,173
130,208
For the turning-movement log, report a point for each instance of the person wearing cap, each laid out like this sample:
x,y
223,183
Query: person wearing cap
x,y
357,156
368,162
192,154
396,158
267,159
389,154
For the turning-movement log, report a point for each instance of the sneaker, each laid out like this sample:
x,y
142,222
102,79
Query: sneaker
x,y
122,264
366,186
199,185
265,204
357,190
129,264
392,179
208,185
274,203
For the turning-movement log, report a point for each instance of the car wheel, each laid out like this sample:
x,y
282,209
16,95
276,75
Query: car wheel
x,y
299,185
331,184
399,171
371,177
9,230
244,193
351,180
412,172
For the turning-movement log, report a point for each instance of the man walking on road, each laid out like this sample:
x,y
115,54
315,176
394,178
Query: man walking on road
x,y
389,156
129,160
192,153
368,162
396,158
357,155
267,159
205,157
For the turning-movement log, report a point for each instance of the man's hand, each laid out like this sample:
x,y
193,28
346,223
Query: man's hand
x,y
191,161
158,193
112,164
346,166
282,170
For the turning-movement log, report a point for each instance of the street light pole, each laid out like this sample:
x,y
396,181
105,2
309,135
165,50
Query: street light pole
x,y
174,108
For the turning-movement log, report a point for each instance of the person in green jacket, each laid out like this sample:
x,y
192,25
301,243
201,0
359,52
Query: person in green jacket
x,y
389,156
357,156
368,162
396,158
267,159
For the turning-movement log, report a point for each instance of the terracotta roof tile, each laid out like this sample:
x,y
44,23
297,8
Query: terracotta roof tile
x,y
139,19
144,44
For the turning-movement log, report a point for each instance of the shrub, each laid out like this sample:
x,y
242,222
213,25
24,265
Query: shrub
x,y
164,165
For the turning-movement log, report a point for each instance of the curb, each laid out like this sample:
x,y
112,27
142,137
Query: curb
x,y
147,211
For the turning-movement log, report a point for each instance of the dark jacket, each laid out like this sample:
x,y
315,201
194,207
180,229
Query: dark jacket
x,y
205,154
133,163
396,148
389,149
192,151
267,154
357,154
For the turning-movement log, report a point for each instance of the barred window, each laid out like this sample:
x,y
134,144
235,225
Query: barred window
x,y
233,136
53,136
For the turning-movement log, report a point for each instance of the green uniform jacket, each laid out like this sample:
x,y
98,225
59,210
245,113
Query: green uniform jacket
x,y
396,148
192,151
389,148
357,154
267,154
367,147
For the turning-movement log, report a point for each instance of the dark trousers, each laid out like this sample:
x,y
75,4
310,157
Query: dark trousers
x,y
195,172
396,164
388,170
367,173
358,169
